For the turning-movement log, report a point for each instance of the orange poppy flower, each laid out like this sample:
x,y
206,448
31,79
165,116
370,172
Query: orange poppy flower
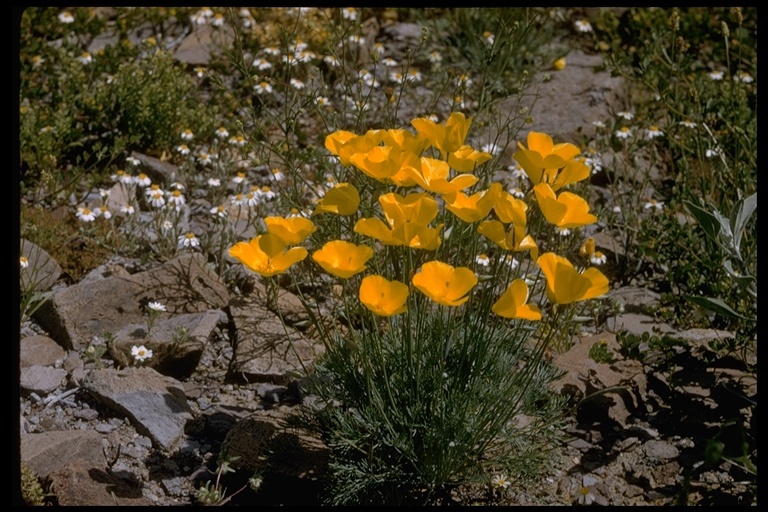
x,y
567,210
293,230
543,158
467,159
342,259
475,207
444,283
267,254
565,284
432,174
342,199
383,297
512,303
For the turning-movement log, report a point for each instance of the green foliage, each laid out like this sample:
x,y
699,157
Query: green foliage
x,y
600,353
429,404
31,490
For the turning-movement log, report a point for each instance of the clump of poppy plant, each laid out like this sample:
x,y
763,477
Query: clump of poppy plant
x,y
434,359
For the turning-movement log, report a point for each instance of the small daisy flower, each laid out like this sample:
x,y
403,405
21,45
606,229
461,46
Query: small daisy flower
x,y
266,193
368,78
132,160
489,37
463,80
298,46
688,124
189,240
240,178
653,132
66,17
140,353
323,101
396,76
154,189
582,26
331,60
23,261
626,115
349,13
562,231
623,133
616,209
713,152
85,58
378,48
156,306
237,140
305,56
716,75
435,57
743,76
157,200
500,481
586,497
356,39
252,198
176,198
483,259
652,203
491,148
277,175
239,200
219,212
517,171
272,50
127,209
37,61
183,149
298,84
414,74
166,226
142,180
517,192
598,258
85,214
177,185
389,62
222,133
205,158
262,87
200,71
510,260
187,134
122,177
214,182
103,211
218,20
433,118
598,124
197,18
261,64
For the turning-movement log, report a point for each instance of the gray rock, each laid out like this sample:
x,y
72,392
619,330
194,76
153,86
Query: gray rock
x,y
39,350
77,313
41,379
634,299
197,47
171,355
636,323
288,304
46,452
266,350
42,272
81,484
154,403
157,170
657,449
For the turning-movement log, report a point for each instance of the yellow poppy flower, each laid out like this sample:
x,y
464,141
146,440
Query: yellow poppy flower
x,y
566,285
342,259
515,239
383,297
405,141
574,171
432,175
334,141
359,144
444,283
380,162
475,207
448,137
543,157
342,199
512,303
407,220
510,209
293,230
564,211
587,249
467,159
267,254
402,178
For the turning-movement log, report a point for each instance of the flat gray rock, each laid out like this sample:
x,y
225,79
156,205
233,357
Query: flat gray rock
x,y
76,314
41,379
48,451
155,404
39,350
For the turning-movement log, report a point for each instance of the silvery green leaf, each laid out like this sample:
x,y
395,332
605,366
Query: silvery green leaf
x,y
715,305
706,220
742,279
740,215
